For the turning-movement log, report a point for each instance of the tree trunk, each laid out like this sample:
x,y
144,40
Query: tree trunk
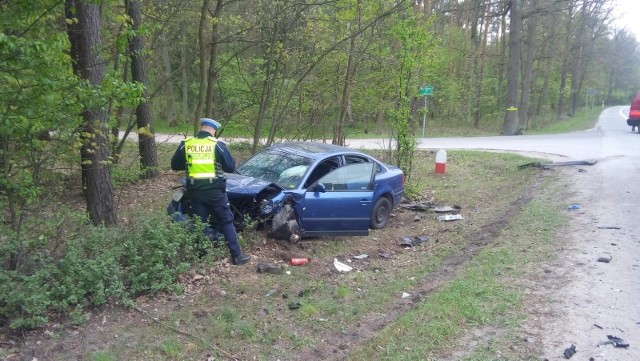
x,y
168,84
202,42
483,59
83,30
565,60
379,121
185,81
576,69
546,63
510,125
502,61
277,121
523,112
146,138
338,134
265,94
213,60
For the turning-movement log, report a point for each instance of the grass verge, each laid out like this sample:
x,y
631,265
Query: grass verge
x,y
468,279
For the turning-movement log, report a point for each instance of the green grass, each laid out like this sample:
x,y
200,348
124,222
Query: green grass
x,y
478,297
583,119
485,295
102,356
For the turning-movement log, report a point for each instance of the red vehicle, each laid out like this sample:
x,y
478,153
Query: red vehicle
x,y
634,114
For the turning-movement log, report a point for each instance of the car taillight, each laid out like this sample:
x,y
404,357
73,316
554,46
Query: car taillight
x,y
402,178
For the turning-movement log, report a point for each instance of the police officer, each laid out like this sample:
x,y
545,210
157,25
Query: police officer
x,y
204,158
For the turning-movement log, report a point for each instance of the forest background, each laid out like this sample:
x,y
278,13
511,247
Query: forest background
x,y
76,74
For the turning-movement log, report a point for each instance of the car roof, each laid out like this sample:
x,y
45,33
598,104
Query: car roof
x,y
314,150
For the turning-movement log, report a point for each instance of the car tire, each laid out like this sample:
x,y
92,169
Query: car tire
x,y
380,214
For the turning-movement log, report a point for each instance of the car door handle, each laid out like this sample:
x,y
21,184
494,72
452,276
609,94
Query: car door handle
x,y
365,202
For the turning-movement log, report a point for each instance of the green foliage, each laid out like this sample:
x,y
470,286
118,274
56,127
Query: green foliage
x,y
41,103
93,267
412,43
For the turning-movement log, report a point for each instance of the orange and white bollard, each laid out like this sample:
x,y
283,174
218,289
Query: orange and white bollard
x,y
441,161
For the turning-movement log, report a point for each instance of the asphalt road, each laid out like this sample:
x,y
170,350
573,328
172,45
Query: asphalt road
x,y
610,137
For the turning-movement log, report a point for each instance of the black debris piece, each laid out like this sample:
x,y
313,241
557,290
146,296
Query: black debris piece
x,y
419,206
447,209
617,342
294,305
556,164
569,352
609,227
605,259
406,242
413,241
265,267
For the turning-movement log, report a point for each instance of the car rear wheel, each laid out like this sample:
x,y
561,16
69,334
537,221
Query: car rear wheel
x,y
381,213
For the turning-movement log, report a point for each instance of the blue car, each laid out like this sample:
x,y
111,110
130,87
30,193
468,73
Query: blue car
x,y
309,189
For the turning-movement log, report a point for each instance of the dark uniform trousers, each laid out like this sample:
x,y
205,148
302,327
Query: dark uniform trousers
x,y
215,202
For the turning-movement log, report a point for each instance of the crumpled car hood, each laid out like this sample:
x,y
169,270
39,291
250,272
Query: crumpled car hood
x,y
243,185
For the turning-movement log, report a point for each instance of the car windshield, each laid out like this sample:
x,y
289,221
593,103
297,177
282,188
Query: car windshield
x,y
283,169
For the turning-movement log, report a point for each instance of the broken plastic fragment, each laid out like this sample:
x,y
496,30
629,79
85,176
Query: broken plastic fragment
x,y
450,217
605,259
405,295
341,267
406,242
361,256
420,239
271,292
617,342
413,242
570,351
444,209
574,206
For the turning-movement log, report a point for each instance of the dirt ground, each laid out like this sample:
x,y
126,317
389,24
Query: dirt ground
x,y
575,301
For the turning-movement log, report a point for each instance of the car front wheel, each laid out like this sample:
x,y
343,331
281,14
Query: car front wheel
x,y
380,214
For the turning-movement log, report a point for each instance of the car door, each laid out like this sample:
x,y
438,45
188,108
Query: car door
x,y
339,203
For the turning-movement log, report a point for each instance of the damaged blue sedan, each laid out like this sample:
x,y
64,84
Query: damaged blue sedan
x,y
309,189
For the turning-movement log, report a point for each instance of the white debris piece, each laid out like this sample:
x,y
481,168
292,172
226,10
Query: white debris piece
x,y
341,267
450,217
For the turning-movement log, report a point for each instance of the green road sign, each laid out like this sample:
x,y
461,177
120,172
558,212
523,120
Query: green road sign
x,y
426,90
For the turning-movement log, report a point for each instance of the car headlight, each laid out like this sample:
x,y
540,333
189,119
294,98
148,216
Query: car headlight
x,y
266,207
271,206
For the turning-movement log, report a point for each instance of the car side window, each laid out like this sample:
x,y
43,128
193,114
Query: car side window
x,y
322,169
357,159
354,177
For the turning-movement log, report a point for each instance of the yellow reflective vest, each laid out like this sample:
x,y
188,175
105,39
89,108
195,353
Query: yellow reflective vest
x,y
201,157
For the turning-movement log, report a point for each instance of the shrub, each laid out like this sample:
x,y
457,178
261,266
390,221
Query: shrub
x,y
92,267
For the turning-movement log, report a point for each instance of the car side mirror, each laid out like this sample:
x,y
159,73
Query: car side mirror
x,y
319,188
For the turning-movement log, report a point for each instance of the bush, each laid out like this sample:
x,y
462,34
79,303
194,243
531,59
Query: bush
x,y
93,267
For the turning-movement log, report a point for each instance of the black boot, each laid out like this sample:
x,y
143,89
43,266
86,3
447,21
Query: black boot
x,y
241,259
